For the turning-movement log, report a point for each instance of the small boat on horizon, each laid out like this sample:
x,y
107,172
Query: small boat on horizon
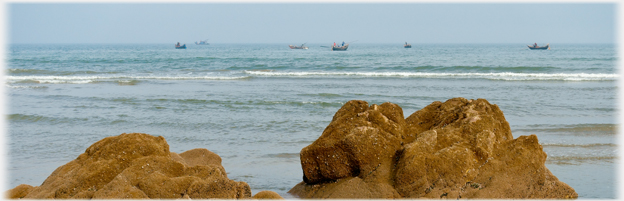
x,y
536,47
340,48
202,42
178,46
298,47
407,45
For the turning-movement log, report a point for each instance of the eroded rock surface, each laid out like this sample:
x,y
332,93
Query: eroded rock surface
x,y
267,195
137,166
456,149
360,142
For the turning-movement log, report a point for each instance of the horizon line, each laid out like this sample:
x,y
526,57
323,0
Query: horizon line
x,y
145,43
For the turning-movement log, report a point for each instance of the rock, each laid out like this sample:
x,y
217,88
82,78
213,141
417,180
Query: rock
x,y
19,192
359,140
462,118
473,150
201,157
139,166
458,135
345,188
267,195
517,170
176,157
358,148
456,149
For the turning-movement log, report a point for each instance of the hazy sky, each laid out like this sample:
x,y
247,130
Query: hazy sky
x,y
311,22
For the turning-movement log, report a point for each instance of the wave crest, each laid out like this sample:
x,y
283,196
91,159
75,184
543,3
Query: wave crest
x,y
506,76
119,79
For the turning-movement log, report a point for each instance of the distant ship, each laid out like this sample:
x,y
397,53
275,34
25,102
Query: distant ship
x,y
407,45
298,47
202,42
178,46
341,48
536,47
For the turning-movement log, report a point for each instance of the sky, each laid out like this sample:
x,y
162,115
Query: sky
x,y
298,23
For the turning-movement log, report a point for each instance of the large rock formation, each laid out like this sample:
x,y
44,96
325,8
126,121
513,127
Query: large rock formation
x,y
137,166
456,149
360,143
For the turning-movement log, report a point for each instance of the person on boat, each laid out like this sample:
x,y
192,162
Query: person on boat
x,y
334,44
405,43
535,45
178,45
342,44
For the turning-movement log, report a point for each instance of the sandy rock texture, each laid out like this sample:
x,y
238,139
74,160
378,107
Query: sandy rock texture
x,y
137,166
267,195
457,149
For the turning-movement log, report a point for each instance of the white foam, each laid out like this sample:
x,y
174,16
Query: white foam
x,y
493,76
506,76
90,79
65,81
25,87
189,78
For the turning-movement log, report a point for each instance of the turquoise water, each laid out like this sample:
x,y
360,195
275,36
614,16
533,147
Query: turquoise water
x,y
258,105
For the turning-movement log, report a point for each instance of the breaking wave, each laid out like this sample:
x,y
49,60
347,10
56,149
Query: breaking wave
x,y
491,76
119,79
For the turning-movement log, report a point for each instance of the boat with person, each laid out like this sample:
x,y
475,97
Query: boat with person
x,y
342,47
536,47
298,47
202,42
178,46
407,45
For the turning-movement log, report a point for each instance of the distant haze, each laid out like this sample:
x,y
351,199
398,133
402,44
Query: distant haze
x,y
296,23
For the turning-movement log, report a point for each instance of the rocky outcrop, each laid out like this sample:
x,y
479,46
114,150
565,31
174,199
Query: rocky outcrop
x,y
137,166
360,143
456,149
267,195
19,191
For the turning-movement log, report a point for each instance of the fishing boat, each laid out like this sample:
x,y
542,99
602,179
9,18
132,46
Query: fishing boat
x,y
536,47
341,48
178,46
407,45
202,42
298,47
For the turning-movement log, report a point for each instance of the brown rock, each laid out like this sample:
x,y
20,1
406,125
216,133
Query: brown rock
x,y
137,166
355,154
462,118
456,149
346,188
473,149
358,140
19,192
201,157
517,171
267,195
176,157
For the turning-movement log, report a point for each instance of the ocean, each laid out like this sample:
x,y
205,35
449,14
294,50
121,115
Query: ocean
x,y
258,105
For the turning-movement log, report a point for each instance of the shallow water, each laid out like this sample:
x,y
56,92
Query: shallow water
x,y
258,105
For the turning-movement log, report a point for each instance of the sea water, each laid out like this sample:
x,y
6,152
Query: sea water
x,y
258,105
